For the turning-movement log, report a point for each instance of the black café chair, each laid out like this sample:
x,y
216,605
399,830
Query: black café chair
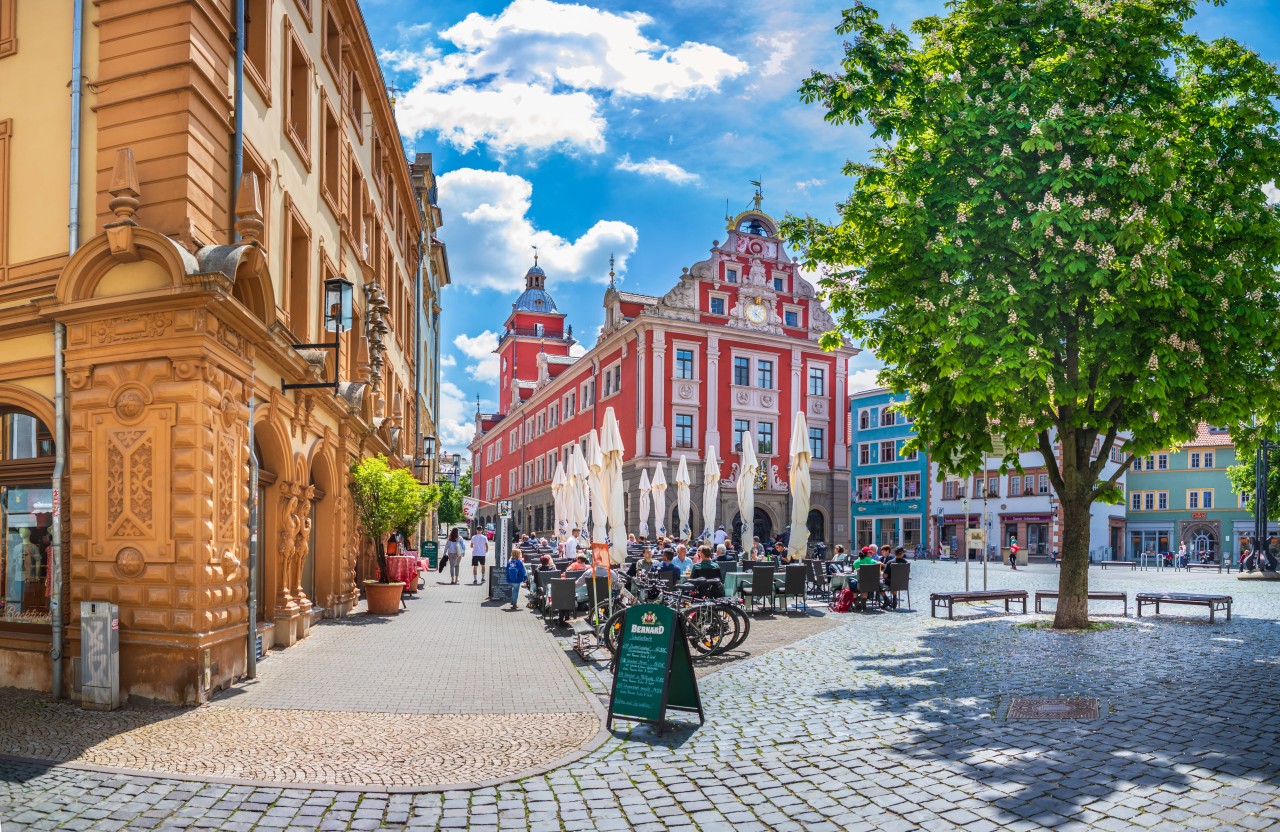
x,y
563,599
794,578
868,584
542,586
819,580
726,566
900,581
761,586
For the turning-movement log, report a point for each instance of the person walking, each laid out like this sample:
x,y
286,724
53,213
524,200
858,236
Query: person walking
x,y
453,550
516,576
1013,556
479,548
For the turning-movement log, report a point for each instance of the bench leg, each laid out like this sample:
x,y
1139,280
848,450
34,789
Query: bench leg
x,y
1024,606
1228,611
1211,613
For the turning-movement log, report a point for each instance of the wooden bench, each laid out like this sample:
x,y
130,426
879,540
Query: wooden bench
x,y
1132,564
948,600
581,632
1213,602
1216,566
1045,594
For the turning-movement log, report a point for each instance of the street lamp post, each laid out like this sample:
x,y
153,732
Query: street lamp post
x,y
986,546
937,539
1260,501
965,534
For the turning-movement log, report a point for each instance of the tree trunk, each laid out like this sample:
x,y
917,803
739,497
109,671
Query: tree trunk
x,y
1073,577
380,549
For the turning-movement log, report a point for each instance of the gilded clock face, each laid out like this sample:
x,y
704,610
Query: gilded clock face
x,y
756,312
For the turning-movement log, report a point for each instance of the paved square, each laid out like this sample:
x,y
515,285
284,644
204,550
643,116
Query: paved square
x,y
1022,708
888,722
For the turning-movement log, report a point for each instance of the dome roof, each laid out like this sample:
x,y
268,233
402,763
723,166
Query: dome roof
x,y
535,300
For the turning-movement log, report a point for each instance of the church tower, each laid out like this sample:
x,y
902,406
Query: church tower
x,y
535,326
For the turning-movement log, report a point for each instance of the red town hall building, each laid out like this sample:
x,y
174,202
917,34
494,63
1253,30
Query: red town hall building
x,y
732,347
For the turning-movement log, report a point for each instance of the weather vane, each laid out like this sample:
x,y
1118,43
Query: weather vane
x,y
611,285
759,194
535,255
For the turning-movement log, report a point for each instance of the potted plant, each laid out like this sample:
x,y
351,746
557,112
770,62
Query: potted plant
x,y
386,500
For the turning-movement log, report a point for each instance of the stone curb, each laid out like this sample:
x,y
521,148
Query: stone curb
x,y
594,743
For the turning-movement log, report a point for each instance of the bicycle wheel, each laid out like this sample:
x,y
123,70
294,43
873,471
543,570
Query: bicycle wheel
x,y
611,631
707,629
742,620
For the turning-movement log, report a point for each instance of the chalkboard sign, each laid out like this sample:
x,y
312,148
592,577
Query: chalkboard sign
x,y
654,671
499,589
431,551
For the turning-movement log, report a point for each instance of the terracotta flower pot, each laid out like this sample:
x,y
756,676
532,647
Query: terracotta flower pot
x,y
384,599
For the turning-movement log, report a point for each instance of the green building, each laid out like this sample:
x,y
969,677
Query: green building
x,y
1183,496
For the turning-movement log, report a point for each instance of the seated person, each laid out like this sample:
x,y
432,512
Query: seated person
x,y
899,556
867,559
705,567
780,553
579,563
682,560
545,562
886,553
646,563
837,561
723,554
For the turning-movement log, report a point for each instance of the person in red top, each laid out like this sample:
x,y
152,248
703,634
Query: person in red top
x,y
1013,555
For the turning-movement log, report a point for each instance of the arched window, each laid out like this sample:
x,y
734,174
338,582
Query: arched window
x,y
26,513
817,526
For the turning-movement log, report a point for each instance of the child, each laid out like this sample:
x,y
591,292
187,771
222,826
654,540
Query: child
x,y
516,575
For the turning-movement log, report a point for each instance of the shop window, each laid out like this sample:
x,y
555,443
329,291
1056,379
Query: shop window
x,y
331,161
257,40
298,97
26,506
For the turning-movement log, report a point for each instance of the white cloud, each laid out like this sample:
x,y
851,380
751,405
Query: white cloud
x,y
534,76
782,49
479,349
1272,192
804,185
490,235
456,425
660,168
448,361
863,380
577,350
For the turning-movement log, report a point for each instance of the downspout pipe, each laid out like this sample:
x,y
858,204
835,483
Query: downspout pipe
x,y
237,136
417,372
251,655
58,634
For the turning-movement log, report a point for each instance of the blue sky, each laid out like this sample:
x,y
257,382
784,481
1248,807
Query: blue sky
x,y
621,127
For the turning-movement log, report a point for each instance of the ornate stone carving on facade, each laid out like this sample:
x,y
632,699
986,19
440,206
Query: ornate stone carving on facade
x,y
129,328
376,330
776,482
124,204
286,540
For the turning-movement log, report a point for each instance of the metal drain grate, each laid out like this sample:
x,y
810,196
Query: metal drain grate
x,y
1053,709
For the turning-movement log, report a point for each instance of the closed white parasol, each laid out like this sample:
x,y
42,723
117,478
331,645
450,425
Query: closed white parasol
x,y
797,545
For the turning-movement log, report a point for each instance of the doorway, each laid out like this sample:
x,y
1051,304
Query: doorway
x,y
1037,538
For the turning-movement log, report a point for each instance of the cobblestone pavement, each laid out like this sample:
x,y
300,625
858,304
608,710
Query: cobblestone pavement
x,y
452,691
892,722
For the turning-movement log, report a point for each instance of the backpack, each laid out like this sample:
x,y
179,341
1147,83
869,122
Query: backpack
x,y
513,572
843,602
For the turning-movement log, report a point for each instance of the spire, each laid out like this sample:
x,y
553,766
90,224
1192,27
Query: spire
x,y
477,404
535,257
611,283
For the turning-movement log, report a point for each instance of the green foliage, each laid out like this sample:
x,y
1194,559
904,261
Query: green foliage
x,y
450,509
388,500
1244,477
1063,234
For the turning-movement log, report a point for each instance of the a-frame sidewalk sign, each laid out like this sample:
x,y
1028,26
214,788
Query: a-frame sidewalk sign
x,y
653,672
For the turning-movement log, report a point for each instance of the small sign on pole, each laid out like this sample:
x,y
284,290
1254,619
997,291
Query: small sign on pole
x,y
504,508
975,539
470,505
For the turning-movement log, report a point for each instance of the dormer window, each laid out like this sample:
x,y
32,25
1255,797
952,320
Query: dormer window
x,y
731,275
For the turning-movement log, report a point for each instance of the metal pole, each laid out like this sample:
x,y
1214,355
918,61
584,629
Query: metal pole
x,y
251,661
237,135
965,536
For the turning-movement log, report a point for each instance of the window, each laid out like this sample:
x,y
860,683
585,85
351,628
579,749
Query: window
x,y
817,381
949,490
298,275
764,431
537,470
1208,460
731,275
886,418
612,380
866,533
684,430
1151,463
979,488
888,451
864,453
741,371
298,97
684,363
740,426
910,531
1162,462
1243,500
911,457
332,46
1162,500
570,405
1193,499
553,417
888,488
331,157
778,285
1015,486
1149,500
911,486
1206,499
864,419
1044,483
717,305
1029,485
816,443
355,103
866,489
1135,501
257,37
993,486
790,318
764,374
1195,460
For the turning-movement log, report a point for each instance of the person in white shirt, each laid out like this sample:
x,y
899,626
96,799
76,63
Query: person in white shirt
x,y
720,536
682,560
479,548
571,546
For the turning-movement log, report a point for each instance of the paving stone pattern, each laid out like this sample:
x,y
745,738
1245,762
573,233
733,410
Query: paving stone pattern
x,y
889,723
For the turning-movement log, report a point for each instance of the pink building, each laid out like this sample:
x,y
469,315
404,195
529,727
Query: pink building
x,y
731,348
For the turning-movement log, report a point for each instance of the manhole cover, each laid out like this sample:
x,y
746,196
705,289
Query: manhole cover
x,y
1053,709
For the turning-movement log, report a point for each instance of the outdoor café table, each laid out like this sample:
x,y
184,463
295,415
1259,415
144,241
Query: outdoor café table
x,y
403,568
841,580
732,580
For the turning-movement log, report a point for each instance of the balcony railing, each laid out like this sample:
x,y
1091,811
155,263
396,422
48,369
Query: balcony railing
x,y
534,332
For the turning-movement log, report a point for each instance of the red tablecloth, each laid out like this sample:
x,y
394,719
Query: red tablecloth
x,y
403,568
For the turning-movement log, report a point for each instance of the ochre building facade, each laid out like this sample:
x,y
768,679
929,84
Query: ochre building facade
x,y
179,292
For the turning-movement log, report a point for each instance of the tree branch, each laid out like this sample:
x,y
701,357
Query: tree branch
x,y
1098,464
1102,487
1050,462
